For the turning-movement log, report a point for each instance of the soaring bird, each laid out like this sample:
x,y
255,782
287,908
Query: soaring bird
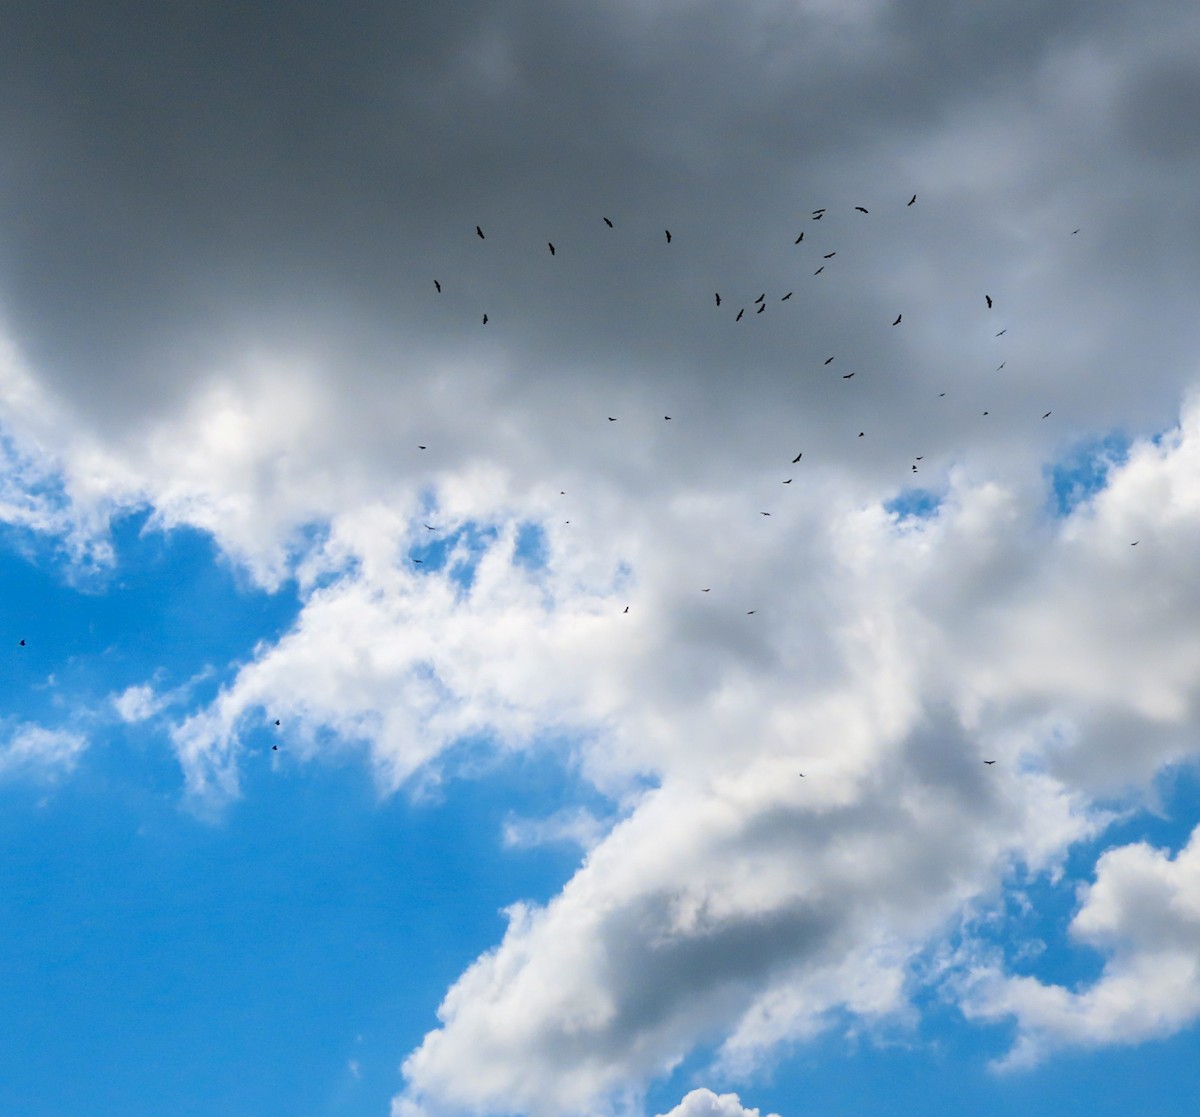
x,y
829,256
485,319
668,232
764,513
860,209
718,297
989,762
419,562
829,360
611,419
551,248
438,286
1074,231
761,297
788,481
480,232
819,270
1001,365
627,608
752,612
274,748
800,238
428,528
276,721
989,301
608,223
898,317
847,376
1047,415
740,313
1133,544
22,644
761,309
419,447
818,211
667,417
1002,332
912,199
818,216
709,590
861,433
797,457
786,297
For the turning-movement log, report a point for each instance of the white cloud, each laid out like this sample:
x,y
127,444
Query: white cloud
x,y
1143,912
33,751
704,1103
136,703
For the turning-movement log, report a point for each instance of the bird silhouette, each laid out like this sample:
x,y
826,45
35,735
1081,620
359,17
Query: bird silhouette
x,y
485,319
551,247
829,256
1133,544
829,360
1001,365
861,433
611,419
668,232
760,298
752,612
800,238
846,376
740,313
818,216
912,199
797,457
608,223
667,417
788,481
709,590
786,297
274,748
718,298
22,643
761,309
989,301
422,447
818,211
276,721
627,608
898,317
819,270
861,209
419,562
1047,415
1002,332
480,232
428,527
438,286
989,762
764,513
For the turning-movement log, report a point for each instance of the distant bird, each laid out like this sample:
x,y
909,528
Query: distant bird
x,y
1001,365
898,317
786,297
1047,415
788,481
861,210
985,412
709,590
419,447
764,513
667,417
480,232
608,223
941,394
912,199
861,433
1074,231
22,643
611,419
829,360
797,457
761,309
989,301
276,721
419,561
274,748
668,232
1002,332
819,270
627,608
429,527
818,216
914,469
551,248
1133,544
485,319
919,457
761,297
846,376
800,238
438,286
718,298
801,774
752,612
989,762
740,313
829,256
817,212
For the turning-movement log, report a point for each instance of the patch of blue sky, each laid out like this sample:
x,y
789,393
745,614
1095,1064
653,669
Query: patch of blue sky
x,y
914,504
531,551
1083,471
457,552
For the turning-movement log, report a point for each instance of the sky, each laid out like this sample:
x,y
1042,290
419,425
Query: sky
x,y
627,560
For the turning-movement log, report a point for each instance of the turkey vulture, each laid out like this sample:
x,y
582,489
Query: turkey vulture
x,y
480,232
898,317
438,286
912,199
608,223
989,301
861,209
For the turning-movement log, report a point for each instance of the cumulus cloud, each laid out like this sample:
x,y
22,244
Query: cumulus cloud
x,y
35,752
704,1103
1143,912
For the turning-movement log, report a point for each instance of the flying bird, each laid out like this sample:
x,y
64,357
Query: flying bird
x,y
485,319
800,238
761,309
829,256
419,447
1001,365
829,360
428,528
1133,544
1074,231
668,232
480,232
608,223
1047,415
438,286
818,211
709,590
989,762
861,433
752,612
861,209
989,301
276,721
666,416
740,313
274,748
898,317
797,457
761,297
786,297
718,298
419,562
611,419
551,248
22,643
818,216
627,608
846,376
788,481
819,270
1002,332
764,513
912,199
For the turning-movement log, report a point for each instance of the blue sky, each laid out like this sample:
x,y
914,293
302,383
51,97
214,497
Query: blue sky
x,y
720,672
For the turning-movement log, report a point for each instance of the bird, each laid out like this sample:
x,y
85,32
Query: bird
x,y
788,481
276,721
627,608
761,309
861,433
912,199
797,457
1074,231
1001,365
898,317
786,297
480,232
847,375
1047,415
764,513
419,562
429,527
941,394
740,313
420,447
829,256
760,297
1002,332
611,419
551,247
989,762
817,211
22,643
717,295
608,223
861,209
919,458
667,417
829,360
485,319
752,612
819,270
668,232
274,748
800,237
438,286
989,301
818,216
985,412
709,590
914,469
1133,544
801,774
